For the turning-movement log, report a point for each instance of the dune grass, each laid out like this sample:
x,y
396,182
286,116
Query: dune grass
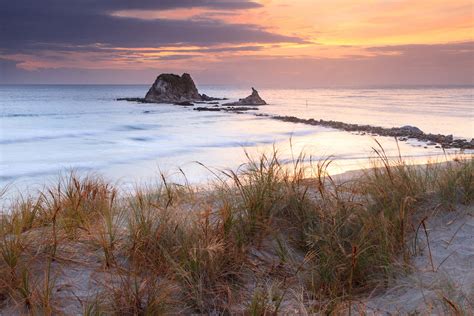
x,y
264,239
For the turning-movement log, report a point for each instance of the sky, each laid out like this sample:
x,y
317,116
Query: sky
x,y
265,43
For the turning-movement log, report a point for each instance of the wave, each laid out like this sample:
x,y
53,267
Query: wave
x,y
16,115
306,132
43,138
123,128
14,176
141,139
136,127
231,144
24,115
274,138
64,114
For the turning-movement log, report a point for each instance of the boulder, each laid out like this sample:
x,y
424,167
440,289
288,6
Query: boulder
x,y
411,129
205,97
184,103
171,88
201,108
253,99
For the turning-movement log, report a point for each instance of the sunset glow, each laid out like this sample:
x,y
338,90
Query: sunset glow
x,y
206,35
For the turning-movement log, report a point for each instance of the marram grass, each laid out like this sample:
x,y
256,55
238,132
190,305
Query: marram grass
x,y
263,240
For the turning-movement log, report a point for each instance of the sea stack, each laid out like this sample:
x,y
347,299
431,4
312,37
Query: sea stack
x,y
253,99
171,88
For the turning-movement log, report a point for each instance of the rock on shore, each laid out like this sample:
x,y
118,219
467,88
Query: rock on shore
x,y
253,99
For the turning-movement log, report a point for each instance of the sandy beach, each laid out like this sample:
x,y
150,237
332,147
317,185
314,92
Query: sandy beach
x,y
88,248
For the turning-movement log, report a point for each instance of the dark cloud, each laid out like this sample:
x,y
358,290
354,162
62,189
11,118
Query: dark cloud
x,y
101,6
28,25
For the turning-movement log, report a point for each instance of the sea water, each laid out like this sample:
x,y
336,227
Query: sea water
x,y
46,130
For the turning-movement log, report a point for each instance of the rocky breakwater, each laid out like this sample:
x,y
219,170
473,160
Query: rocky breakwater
x,y
402,133
174,89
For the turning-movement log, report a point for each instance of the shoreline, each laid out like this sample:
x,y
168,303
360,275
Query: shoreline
x,y
15,187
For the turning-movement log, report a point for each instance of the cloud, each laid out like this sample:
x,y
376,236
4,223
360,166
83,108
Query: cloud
x,y
116,5
441,64
30,25
421,49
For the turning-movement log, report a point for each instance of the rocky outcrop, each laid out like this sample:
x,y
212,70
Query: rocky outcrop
x,y
170,88
175,89
253,99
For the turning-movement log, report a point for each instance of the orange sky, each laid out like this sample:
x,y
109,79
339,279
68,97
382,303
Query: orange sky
x,y
336,29
328,25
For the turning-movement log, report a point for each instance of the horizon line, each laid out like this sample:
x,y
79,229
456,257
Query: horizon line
x,y
393,86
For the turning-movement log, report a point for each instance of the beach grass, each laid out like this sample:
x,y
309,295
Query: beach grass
x,y
263,239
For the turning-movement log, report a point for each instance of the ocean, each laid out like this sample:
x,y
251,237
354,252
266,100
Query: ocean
x,y
47,130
